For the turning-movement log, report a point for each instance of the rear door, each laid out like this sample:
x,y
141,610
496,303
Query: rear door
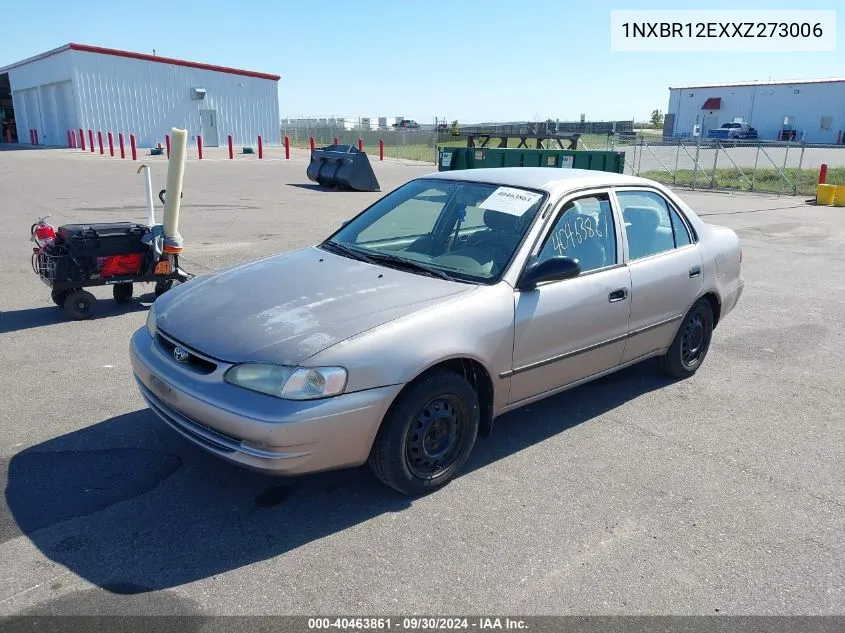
x,y
665,265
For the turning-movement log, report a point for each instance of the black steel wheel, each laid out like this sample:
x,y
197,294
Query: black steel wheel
x,y
427,435
691,343
122,292
58,297
79,305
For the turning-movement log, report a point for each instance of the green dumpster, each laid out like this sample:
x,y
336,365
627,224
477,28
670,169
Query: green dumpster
x,y
479,158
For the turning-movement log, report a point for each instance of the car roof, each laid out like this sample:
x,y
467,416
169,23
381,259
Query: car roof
x,y
555,180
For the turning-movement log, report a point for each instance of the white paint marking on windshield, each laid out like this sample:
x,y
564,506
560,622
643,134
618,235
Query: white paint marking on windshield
x,y
510,200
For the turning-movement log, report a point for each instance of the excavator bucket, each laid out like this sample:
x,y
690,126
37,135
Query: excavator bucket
x,y
342,166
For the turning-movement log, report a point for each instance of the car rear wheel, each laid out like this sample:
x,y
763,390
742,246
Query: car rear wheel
x,y
691,342
427,435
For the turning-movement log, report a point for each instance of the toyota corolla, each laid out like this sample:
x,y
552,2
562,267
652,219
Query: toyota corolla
x,y
398,339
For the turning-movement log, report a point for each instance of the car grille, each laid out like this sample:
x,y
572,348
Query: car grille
x,y
196,361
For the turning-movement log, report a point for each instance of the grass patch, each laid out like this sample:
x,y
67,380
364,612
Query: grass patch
x,y
765,180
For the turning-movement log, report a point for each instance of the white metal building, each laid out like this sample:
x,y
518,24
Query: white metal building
x,y
810,109
90,88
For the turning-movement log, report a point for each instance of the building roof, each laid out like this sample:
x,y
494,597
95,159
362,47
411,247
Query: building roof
x,y
142,56
777,82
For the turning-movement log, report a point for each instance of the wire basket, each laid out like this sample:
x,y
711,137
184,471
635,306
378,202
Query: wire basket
x,y
52,267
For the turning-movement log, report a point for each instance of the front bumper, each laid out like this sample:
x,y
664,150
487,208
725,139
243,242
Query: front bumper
x,y
255,430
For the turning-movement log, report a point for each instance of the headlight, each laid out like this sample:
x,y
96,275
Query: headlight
x,y
151,320
290,383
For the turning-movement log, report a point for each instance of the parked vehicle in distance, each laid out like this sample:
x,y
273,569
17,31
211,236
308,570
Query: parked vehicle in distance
x,y
453,299
733,131
406,124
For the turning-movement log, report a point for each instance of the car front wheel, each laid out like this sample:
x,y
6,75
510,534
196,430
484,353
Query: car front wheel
x,y
691,342
427,435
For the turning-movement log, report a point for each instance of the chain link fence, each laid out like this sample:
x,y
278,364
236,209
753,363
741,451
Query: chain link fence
x,y
764,166
418,144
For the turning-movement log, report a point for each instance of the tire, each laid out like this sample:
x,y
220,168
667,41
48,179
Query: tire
x,y
691,343
79,305
122,293
163,286
58,297
427,435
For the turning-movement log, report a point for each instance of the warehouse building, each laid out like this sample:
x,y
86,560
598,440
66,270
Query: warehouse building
x,y
86,87
811,110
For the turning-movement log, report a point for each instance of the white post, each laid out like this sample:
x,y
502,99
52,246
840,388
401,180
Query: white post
x,y
173,193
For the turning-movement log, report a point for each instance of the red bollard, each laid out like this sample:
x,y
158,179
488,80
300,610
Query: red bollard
x,y
380,149
823,174
8,135
287,148
111,144
199,147
336,142
91,140
260,147
100,141
360,144
81,139
31,136
132,146
120,142
231,152
312,143
167,143
68,138
36,136
73,139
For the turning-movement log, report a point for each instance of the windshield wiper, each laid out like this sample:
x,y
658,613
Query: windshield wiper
x,y
346,250
407,263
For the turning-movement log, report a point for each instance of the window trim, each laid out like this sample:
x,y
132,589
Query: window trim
x,y
556,214
669,205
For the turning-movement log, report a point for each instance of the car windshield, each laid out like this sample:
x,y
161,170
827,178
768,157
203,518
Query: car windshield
x,y
461,230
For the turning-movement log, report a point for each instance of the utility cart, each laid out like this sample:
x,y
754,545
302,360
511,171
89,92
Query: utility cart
x,y
117,254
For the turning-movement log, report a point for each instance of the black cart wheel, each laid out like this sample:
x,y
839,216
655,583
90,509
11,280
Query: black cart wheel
x,y
691,342
79,304
163,286
427,435
58,297
122,292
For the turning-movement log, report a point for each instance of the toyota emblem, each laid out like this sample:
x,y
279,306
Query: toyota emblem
x,y
180,354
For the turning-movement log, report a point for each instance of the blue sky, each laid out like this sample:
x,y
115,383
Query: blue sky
x,y
466,60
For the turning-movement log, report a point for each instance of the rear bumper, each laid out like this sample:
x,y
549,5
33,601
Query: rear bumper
x,y
730,300
254,430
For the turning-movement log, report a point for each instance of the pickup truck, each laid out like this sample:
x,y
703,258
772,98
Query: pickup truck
x,y
733,131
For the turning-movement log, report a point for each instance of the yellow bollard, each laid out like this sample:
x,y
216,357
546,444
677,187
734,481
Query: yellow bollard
x,y
825,194
839,196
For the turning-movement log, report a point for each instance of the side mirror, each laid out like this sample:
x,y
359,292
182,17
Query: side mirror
x,y
552,269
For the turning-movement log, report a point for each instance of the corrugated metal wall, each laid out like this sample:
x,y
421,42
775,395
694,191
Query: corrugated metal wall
x,y
765,107
147,99
40,98
79,89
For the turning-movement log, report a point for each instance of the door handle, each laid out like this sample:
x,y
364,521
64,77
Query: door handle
x,y
618,295
695,271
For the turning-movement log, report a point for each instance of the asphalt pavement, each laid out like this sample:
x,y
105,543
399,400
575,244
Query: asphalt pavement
x,y
631,495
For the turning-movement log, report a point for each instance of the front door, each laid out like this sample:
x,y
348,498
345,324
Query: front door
x,y
570,329
666,270
208,124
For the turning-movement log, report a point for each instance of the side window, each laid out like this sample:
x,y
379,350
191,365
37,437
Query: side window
x,y
584,230
651,225
682,236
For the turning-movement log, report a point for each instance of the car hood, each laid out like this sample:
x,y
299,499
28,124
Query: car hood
x,y
286,308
